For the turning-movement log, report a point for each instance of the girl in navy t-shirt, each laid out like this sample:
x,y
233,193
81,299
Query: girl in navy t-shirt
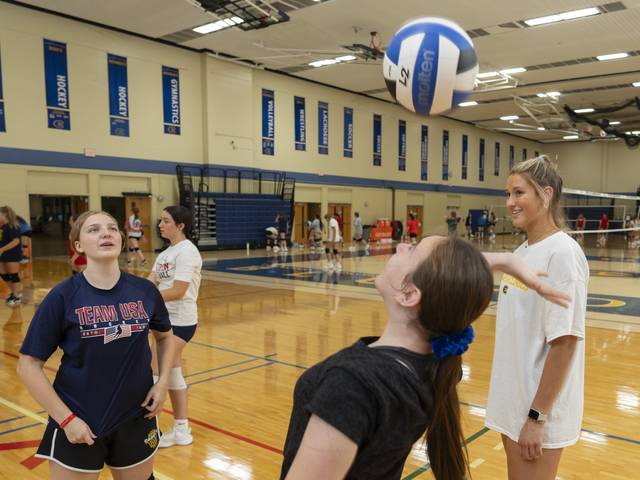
x,y
10,254
103,404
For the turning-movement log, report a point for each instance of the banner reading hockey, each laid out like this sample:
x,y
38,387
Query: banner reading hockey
x,y
348,132
56,81
118,95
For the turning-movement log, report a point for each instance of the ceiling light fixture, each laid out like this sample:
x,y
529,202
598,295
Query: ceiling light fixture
x,y
571,137
553,94
541,128
219,25
612,56
636,84
470,103
615,123
487,74
508,71
584,110
332,61
506,118
559,17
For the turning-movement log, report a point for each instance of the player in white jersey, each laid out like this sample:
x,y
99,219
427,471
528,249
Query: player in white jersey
x,y
333,243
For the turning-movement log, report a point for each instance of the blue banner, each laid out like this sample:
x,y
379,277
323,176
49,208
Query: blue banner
x,y
496,162
481,167
524,154
348,132
377,140
512,156
268,122
300,123
3,126
445,155
424,152
171,100
323,128
56,81
118,95
465,156
402,145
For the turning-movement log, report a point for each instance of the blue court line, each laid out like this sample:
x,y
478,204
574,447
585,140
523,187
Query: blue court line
x,y
225,366
21,428
593,432
7,420
231,373
258,357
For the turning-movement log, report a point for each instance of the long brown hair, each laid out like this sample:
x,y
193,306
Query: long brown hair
x,y
12,218
456,285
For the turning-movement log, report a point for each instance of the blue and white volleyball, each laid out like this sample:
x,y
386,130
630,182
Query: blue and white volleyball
x,y
430,66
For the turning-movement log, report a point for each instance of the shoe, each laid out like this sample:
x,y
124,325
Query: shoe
x,y
24,260
175,437
14,301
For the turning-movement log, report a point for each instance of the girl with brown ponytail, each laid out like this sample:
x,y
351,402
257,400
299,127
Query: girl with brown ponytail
x,y
357,414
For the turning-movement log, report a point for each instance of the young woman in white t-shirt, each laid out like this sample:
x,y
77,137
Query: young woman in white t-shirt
x,y
333,243
176,271
134,231
537,381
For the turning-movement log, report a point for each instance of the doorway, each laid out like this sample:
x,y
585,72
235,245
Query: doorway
x,y
419,211
344,209
303,212
120,209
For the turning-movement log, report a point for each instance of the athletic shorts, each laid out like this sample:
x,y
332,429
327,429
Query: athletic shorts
x,y
13,255
185,333
132,444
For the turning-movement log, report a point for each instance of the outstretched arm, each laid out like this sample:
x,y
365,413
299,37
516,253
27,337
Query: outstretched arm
x,y
514,266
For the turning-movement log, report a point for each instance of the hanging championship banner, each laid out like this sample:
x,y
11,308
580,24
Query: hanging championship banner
x,y
445,155
268,122
465,156
171,100
424,152
3,125
481,169
496,162
402,145
323,128
118,95
300,123
512,156
348,132
377,140
56,82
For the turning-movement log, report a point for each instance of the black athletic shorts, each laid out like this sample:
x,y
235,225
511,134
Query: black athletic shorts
x,y
132,444
185,333
12,256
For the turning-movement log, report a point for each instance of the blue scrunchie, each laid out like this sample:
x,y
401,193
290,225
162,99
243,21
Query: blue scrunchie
x,y
455,344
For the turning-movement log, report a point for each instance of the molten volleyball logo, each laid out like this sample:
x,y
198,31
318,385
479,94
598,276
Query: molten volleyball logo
x,y
430,66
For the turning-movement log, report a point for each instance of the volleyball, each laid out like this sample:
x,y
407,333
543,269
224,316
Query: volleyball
x,y
430,66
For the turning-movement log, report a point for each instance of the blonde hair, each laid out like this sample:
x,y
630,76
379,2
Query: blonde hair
x,y
541,172
12,218
74,234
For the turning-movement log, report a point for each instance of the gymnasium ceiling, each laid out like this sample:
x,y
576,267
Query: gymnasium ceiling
x,y
559,57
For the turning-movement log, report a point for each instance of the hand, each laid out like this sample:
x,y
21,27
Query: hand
x,y
79,432
530,440
155,399
513,265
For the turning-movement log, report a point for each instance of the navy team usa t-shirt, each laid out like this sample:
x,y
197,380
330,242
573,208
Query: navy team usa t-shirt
x,y
105,371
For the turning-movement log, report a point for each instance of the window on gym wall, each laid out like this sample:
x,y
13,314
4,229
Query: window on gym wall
x,y
465,156
481,161
496,161
445,155
424,152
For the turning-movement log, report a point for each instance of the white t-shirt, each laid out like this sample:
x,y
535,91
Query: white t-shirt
x,y
334,231
357,223
135,227
182,262
525,326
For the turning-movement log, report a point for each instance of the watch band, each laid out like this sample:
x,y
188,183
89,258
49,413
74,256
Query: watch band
x,y
537,416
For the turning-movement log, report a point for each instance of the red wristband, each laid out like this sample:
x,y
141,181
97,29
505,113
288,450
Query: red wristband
x,y
66,421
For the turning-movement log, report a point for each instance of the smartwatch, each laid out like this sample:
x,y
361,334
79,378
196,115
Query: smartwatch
x,y
537,416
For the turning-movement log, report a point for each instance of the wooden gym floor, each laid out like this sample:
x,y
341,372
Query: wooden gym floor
x,y
265,318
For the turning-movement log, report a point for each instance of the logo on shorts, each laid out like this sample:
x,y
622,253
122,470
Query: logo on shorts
x,y
152,439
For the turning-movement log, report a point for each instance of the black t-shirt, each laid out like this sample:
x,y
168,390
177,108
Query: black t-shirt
x,y
380,397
